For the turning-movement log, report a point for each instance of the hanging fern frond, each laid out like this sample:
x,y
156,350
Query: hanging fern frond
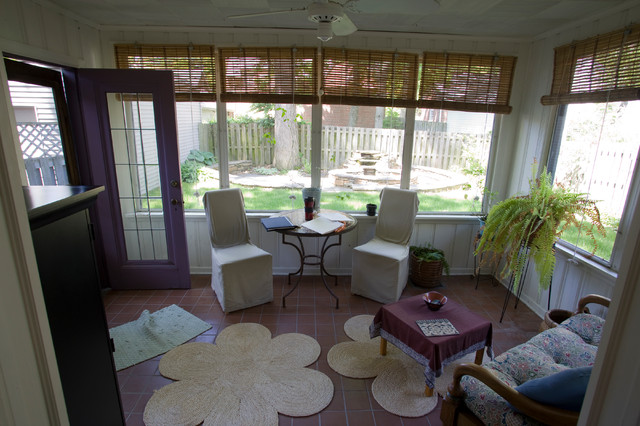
x,y
528,226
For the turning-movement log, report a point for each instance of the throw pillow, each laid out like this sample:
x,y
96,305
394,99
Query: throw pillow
x,y
565,389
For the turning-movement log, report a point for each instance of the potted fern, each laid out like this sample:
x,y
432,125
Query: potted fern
x,y
426,265
529,225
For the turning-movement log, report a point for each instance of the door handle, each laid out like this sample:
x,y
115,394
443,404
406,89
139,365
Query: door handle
x,y
176,202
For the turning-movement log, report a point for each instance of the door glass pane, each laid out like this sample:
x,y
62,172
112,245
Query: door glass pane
x,y
39,133
135,153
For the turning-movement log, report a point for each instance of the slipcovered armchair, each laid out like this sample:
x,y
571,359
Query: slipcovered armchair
x,y
241,273
380,267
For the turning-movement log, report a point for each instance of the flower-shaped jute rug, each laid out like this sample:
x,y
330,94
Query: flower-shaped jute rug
x,y
399,380
245,378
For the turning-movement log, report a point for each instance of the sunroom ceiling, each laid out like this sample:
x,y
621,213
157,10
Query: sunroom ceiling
x,y
506,18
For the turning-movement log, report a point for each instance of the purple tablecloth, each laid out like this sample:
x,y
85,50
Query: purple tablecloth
x,y
396,322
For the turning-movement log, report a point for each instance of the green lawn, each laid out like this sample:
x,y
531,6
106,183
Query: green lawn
x,y
604,244
278,199
275,199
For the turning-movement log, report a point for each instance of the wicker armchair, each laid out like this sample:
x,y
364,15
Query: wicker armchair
x,y
584,330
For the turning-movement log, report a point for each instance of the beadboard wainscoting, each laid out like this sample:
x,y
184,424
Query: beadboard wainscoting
x,y
453,234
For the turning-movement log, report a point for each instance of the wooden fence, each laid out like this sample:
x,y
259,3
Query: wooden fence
x,y
431,148
46,171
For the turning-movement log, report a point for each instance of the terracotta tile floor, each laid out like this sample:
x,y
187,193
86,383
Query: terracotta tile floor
x,y
311,311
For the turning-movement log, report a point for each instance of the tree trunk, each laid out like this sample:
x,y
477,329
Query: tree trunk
x,y
353,115
379,117
286,152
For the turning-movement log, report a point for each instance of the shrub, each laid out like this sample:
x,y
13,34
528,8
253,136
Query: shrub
x,y
196,160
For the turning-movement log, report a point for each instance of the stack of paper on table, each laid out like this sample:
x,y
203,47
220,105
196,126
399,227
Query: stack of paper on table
x,y
336,216
322,225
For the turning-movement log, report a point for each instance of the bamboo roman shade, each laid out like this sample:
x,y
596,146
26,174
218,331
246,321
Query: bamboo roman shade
x,y
599,69
269,74
366,77
464,82
193,66
453,81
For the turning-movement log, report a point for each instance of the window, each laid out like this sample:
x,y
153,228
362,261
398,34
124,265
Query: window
x,y
269,122
269,155
40,108
595,144
595,153
365,95
270,96
361,154
450,158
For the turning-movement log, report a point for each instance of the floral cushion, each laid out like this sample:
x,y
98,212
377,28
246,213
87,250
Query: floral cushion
x,y
490,407
565,347
525,362
587,326
549,352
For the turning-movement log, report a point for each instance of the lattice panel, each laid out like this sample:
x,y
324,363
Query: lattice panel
x,y
40,140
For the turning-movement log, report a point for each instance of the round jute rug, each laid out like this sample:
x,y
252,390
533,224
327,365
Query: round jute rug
x,y
246,378
399,380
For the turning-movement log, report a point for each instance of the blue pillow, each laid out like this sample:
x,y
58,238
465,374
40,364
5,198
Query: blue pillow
x,y
565,389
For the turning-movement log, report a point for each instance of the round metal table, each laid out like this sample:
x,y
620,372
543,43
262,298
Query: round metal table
x,y
297,218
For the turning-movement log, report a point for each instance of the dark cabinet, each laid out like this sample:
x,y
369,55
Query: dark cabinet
x,y
63,242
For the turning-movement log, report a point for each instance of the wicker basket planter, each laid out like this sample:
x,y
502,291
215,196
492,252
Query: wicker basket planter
x,y
425,273
554,317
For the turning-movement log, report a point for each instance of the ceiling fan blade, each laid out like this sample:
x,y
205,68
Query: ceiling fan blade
x,y
273,12
344,26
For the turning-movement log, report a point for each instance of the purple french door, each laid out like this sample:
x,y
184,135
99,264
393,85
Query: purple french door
x,y
130,129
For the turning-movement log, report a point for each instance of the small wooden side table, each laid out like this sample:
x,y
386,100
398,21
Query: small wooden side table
x,y
396,323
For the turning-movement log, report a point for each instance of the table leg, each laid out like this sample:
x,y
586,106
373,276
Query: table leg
x,y
300,270
307,259
324,272
383,346
428,391
479,356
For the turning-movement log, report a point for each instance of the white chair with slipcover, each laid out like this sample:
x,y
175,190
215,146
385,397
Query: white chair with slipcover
x,y
241,273
380,267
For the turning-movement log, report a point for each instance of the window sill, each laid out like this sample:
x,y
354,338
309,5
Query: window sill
x,y
581,260
420,218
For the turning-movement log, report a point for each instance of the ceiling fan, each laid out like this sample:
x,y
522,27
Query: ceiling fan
x,y
329,16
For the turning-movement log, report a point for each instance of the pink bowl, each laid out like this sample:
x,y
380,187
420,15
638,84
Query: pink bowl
x,y
434,300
